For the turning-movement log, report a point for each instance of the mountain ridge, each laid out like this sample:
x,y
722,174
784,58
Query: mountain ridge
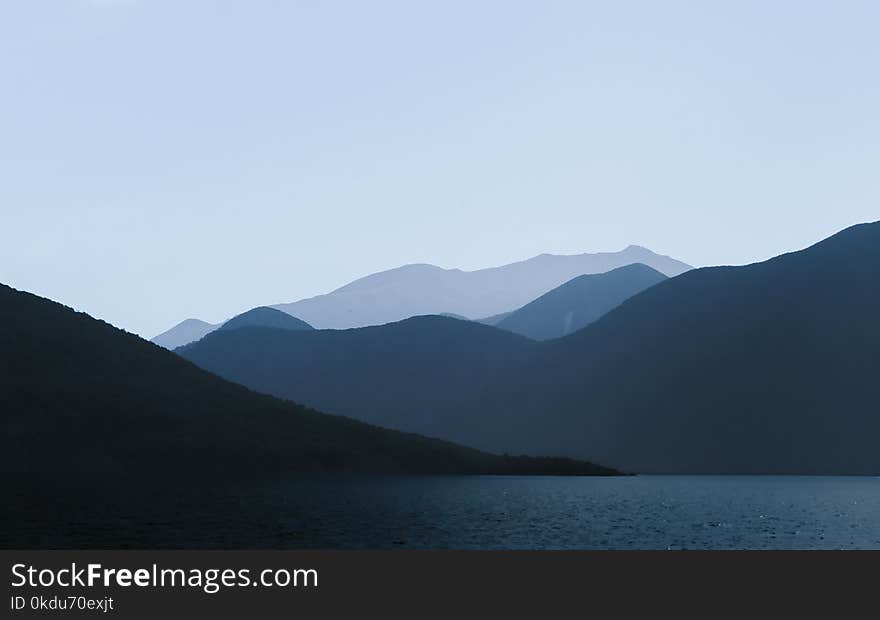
x,y
84,396
263,316
394,294
421,288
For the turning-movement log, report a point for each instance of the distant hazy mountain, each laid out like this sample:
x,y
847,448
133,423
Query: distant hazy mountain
x,y
415,290
191,330
495,319
265,317
579,302
766,368
82,396
183,333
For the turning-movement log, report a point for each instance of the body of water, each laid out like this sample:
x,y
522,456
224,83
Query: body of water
x,y
451,512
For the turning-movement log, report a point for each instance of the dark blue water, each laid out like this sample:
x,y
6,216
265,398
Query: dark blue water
x,y
676,512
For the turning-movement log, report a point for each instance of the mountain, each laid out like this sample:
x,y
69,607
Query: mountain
x,y
183,333
414,375
764,368
82,396
579,302
192,330
265,317
414,290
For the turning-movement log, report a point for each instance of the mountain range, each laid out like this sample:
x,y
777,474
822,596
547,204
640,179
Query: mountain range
x,y
415,290
82,396
421,289
764,368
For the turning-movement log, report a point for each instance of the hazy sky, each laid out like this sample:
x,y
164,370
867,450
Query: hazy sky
x,y
161,159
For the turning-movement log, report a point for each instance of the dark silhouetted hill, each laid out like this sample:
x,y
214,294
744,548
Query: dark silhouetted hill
x,y
422,374
81,395
765,368
579,302
265,317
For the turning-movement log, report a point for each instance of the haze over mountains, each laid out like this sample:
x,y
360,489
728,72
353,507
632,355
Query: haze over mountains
x,y
414,290
766,368
83,396
184,332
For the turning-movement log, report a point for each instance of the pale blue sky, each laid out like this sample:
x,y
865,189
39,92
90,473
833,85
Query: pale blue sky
x,y
161,159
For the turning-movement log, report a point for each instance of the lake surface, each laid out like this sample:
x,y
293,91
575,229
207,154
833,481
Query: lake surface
x,y
451,512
